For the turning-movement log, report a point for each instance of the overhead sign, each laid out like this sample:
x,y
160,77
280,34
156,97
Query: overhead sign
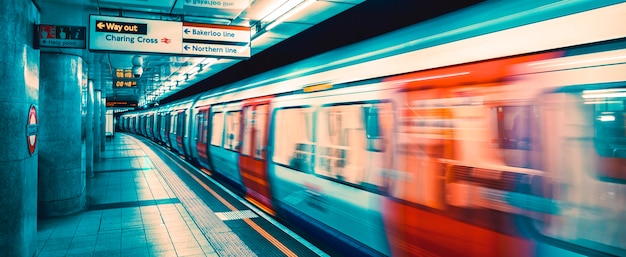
x,y
124,73
121,103
122,27
124,83
134,35
216,50
218,4
61,36
216,33
124,78
216,40
168,37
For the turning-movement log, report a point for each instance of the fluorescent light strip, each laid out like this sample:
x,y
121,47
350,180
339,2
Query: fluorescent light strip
x,y
281,10
608,95
434,77
291,12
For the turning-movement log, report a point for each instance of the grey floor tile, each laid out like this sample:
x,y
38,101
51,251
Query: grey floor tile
x,y
52,253
191,251
125,175
107,253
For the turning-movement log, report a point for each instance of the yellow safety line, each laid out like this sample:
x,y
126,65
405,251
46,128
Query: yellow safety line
x,y
260,205
252,224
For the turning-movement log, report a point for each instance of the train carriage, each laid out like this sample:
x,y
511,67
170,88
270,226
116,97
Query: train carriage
x,y
328,154
179,127
470,135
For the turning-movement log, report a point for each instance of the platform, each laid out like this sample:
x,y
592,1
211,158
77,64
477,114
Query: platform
x,y
144,201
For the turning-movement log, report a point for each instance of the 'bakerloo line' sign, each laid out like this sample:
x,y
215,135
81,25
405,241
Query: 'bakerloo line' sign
x,y
155,36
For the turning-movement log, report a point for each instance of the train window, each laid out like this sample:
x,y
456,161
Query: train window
x,y
198,134
166,124
586,177
217,128
205,127
173,126
248,122
181,124
293,138
232,141
157,128
260,127
610,137
518,135
352,139
432,123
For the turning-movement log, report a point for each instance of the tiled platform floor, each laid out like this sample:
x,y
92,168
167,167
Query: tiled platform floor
x,y
131,212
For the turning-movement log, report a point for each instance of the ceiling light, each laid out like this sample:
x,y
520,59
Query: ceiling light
x,y
285,11
208,61
282,8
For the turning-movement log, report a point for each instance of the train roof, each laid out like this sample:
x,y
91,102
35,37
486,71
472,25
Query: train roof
x,y
474,21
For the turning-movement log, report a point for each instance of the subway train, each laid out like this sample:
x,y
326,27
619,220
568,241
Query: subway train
x,y
496,130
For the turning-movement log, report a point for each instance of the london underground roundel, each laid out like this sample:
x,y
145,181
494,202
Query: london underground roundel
x,y
31,130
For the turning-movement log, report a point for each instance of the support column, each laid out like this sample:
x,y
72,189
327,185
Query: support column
x,y
62,185
103,120
19,70
97,119
88,123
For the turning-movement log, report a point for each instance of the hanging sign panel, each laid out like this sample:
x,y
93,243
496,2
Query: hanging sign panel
x,y
216,40
121,103
60,36
168,37
218,4
218,8
134,35
216,50
216,33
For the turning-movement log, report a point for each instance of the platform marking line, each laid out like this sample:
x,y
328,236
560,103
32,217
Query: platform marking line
x,y
252,207
215,238
236,215
251,223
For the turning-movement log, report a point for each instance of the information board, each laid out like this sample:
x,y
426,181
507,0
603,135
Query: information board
x,y
60,36
134,35
169,37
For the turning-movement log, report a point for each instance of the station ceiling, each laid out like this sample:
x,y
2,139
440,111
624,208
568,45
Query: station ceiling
x,y
166,77
166,74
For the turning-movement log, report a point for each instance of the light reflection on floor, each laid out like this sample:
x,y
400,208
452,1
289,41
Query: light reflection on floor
x,y
132,212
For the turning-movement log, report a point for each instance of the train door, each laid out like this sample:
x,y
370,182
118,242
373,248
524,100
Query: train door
x,y
252,160
149,126
202,136
157,127
585,160
173,128
180,131
140,125
226,142
133,124
167,123
352,153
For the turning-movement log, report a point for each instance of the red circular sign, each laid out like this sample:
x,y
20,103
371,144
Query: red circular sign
x,y
31,129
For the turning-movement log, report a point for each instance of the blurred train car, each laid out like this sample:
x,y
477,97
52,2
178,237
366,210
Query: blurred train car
x,y
497,130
